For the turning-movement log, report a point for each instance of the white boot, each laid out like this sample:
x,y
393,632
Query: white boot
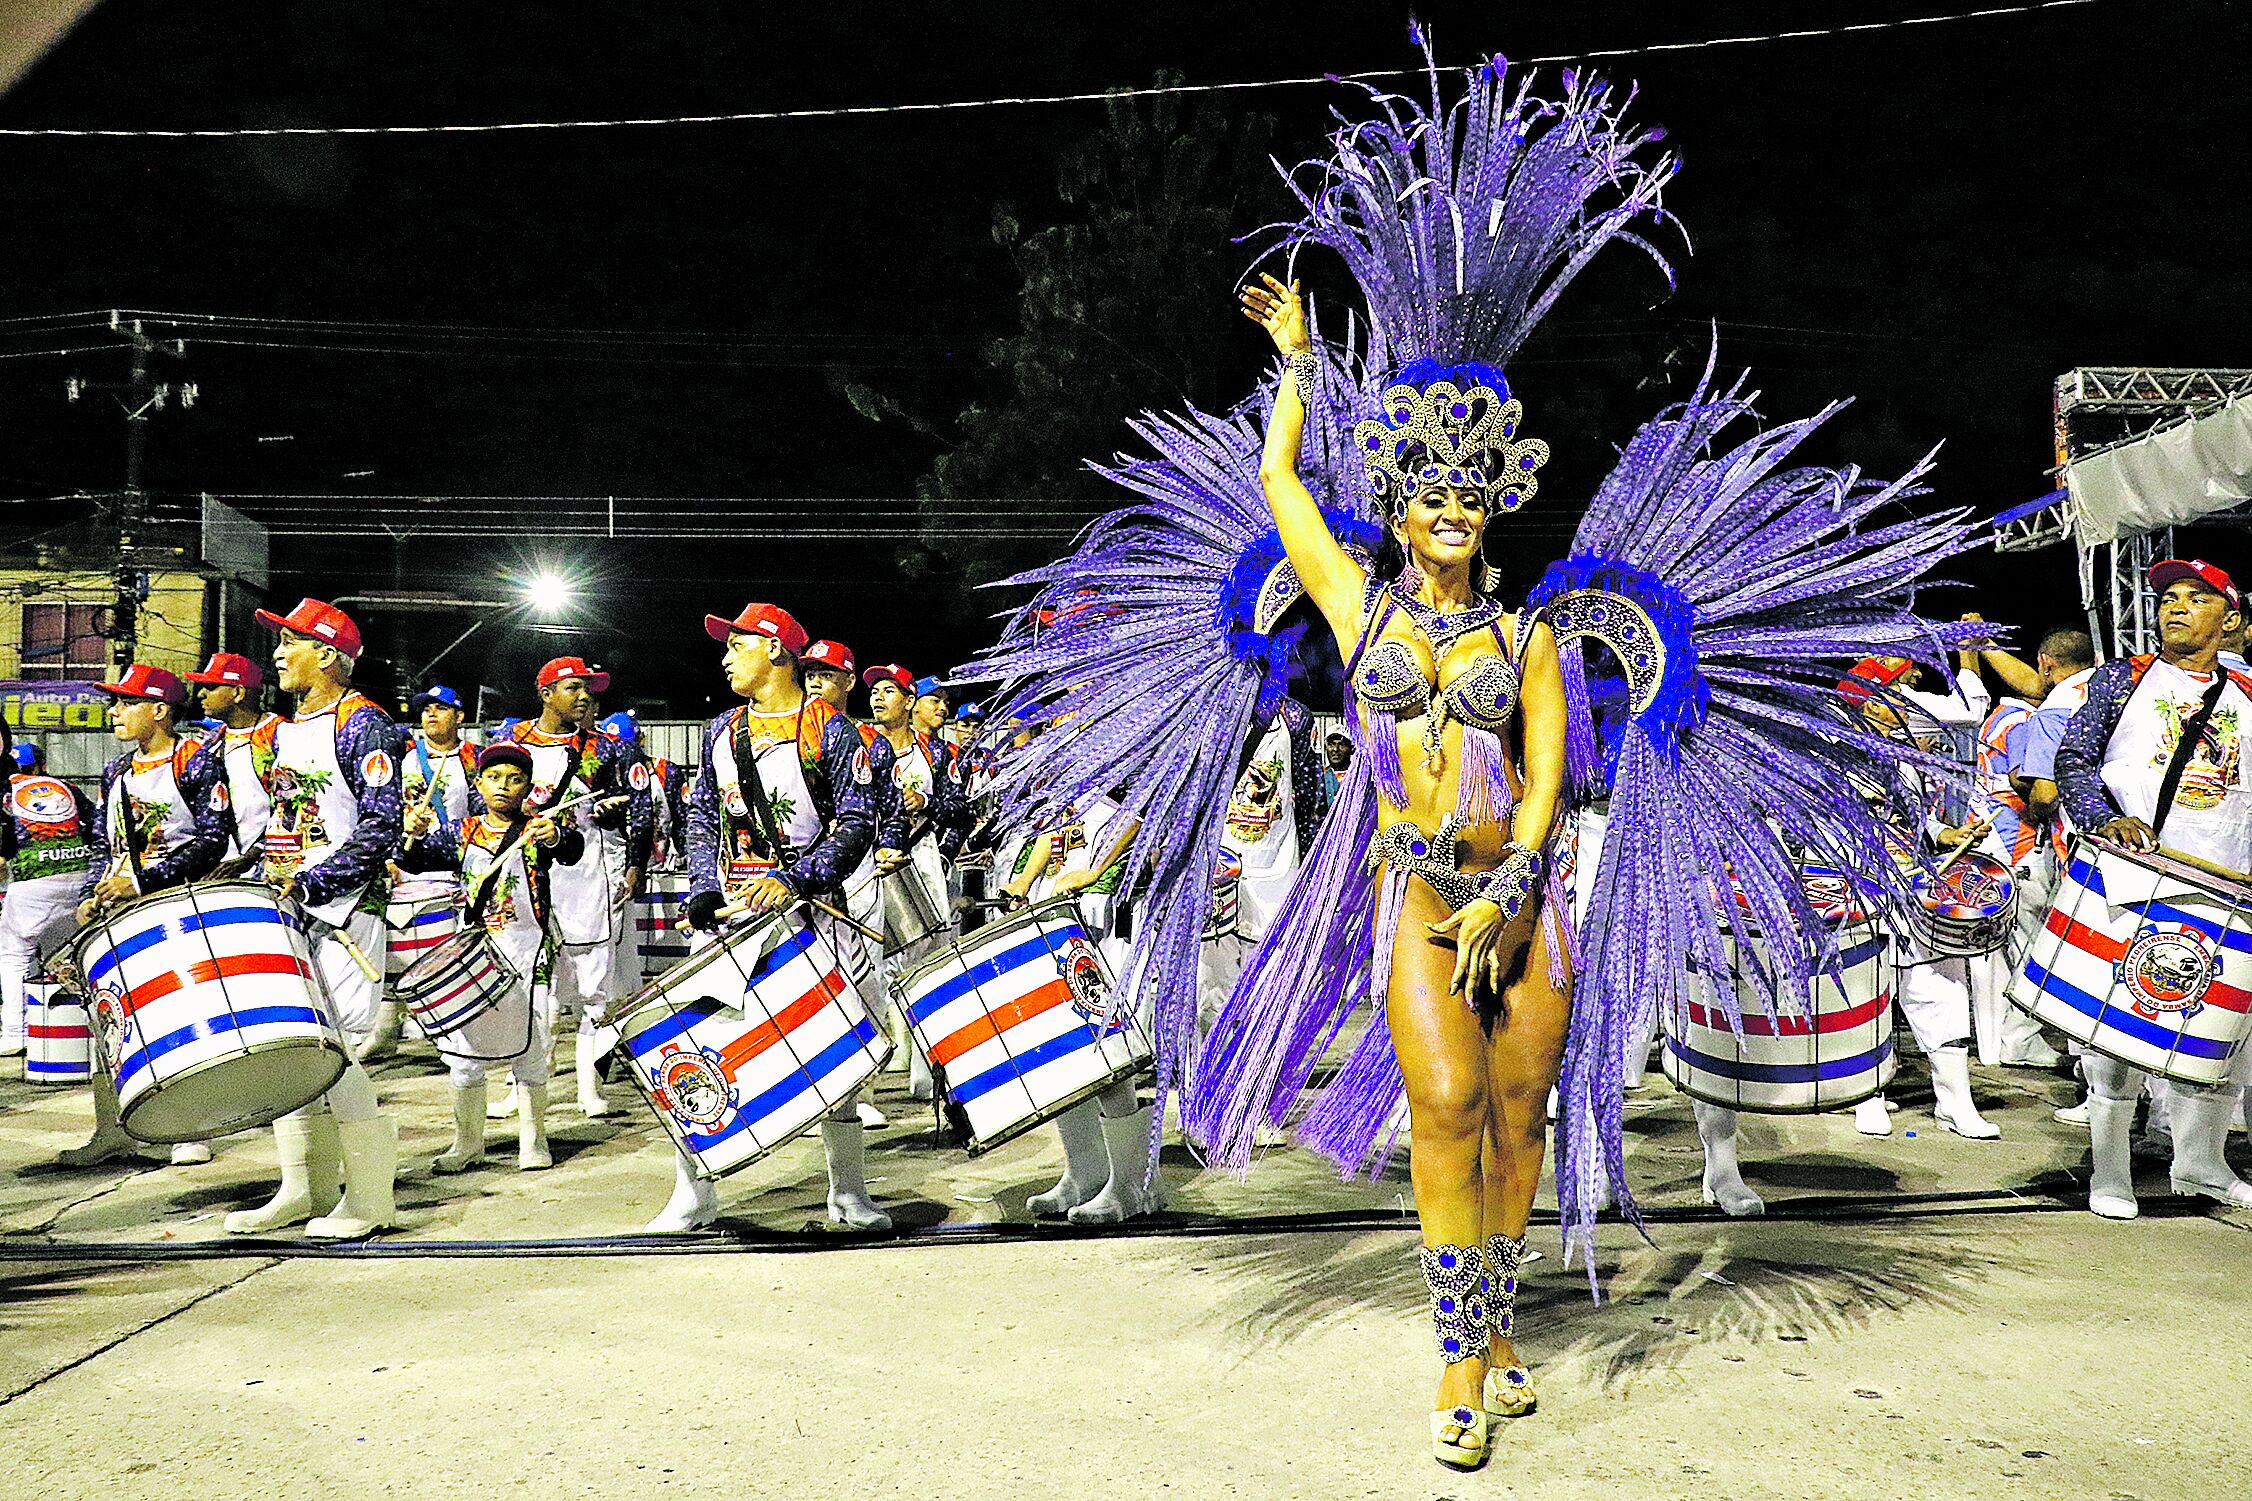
x,y
469,1131
1131,1192
1086,1162
591,1103
2111,1172
371,1165
295,1147
1872,1117
531,1130
109,1139
189,1153
871,1117
500,1103
693,1205
1952,1105
384,1040
844,1145
1724,1179
2201,1132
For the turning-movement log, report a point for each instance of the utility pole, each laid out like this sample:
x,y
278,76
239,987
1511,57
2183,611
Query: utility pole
x,y
139,396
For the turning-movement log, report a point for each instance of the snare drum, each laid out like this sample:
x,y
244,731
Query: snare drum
x,y
2145,959
1970,910
656,915
911,911
753,1039
58,1046
208,1011
420,916
1791,1063
1018,1017
468,999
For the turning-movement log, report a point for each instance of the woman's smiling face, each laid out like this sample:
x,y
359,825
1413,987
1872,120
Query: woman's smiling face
x,y
1443,526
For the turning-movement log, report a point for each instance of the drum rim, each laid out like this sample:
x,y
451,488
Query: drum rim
x,y
1020,919
325,1042
979,1146
76,945
443,950
653,990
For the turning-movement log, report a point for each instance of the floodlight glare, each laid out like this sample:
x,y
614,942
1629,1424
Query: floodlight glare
x,y
548,593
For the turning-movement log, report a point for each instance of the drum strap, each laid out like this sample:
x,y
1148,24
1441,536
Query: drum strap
x,y
2193,730
765,827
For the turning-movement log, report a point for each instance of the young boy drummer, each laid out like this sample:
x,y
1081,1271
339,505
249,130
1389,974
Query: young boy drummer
x,y
503,857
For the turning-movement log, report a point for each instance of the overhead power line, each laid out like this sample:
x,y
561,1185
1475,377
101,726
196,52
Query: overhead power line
x,y
1102,96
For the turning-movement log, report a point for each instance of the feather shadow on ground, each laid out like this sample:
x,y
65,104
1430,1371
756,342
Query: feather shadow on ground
x,y
1734,1282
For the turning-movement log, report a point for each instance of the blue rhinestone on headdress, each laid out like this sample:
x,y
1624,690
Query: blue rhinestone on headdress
x,y
1444,432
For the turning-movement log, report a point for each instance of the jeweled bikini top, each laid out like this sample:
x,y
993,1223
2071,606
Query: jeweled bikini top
x,y
1389,679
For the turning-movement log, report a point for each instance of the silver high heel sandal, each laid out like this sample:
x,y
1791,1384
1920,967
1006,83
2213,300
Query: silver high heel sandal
x,y
1456,1276
1509,1389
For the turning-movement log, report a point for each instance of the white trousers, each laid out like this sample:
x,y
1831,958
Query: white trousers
x,y
35,914
350,989
1935,997
582,978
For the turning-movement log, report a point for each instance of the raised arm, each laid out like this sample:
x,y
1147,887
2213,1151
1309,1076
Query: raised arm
x,y
1333,580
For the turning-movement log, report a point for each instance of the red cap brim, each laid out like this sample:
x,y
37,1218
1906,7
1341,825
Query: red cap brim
x,y
273,622
718,627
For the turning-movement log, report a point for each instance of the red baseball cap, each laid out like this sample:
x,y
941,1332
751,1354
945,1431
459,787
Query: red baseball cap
x,y
229,667
771,621
2198,572
890,672
574,667
1873,672
834,655
505,753
143,681
320,620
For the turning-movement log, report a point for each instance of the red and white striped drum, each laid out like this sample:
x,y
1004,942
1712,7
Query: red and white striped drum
x,y
754,1038
1969,910
656,915
419,916
58,1041
1018,1016
1791,1063
468,999
2144,958
208,1010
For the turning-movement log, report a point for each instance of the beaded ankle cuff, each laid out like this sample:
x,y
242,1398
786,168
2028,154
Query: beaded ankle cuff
x,y
1456,1276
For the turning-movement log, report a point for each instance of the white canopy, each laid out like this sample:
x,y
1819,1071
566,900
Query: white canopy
x,y
2171,476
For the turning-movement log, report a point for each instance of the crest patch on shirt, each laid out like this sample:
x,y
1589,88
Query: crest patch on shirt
x,y
219,797
376,769
862,771
638,778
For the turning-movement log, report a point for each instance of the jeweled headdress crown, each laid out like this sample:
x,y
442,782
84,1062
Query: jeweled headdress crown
x,y
1459,432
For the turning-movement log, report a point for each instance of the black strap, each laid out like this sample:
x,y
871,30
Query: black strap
x,y
764,825
2193,730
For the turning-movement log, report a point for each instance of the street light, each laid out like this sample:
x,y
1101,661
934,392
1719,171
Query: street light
x,y
548,593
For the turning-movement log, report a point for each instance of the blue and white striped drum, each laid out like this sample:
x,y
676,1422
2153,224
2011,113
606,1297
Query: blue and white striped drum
x,y
58,1046
1791,1063
208,1010
656,916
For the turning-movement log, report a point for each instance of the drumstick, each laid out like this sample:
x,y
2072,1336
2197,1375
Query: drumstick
x,y
2208,866
375,976
1984,822
737,909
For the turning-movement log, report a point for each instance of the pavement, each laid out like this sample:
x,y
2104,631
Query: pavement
x,y
1919,1316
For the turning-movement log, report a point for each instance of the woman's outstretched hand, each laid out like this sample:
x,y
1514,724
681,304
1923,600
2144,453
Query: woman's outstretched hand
x,y
1280,311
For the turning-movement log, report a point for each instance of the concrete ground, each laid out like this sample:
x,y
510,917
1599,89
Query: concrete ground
x,y
1917,1317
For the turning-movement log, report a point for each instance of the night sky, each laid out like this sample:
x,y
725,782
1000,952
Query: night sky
x,y
1936,220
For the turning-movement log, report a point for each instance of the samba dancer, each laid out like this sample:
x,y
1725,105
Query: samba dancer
x,y
233,694
2159,748
47,838
783,809
570,755
163,821
503,855
334,827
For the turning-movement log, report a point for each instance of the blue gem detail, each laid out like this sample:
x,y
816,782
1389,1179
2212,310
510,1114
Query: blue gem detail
x,y
1446,1259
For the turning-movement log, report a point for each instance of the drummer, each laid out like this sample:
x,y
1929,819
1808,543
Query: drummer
x,y
571,758
794,831
335,823
441,761
828,667
234,690
163,820
2129,770
505,857
47,840
1107,1141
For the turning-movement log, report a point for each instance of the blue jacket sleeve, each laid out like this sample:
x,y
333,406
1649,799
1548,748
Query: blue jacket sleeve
x,y
1309,792
98,830
702,820
359,859
950,812
440,849
891,809
641,814
2079,759
846,767
203,787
